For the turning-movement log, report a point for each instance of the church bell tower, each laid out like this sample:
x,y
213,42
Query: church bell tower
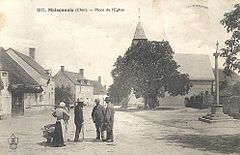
x,y
139,34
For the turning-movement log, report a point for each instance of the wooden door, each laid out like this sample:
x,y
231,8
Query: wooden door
x,y
17,104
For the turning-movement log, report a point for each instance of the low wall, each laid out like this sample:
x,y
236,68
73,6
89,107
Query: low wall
x,y
37,108
231,106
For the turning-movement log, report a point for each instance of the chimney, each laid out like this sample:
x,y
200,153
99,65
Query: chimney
x,y
99,79
105,87
81,72
32,52
48,71
62,68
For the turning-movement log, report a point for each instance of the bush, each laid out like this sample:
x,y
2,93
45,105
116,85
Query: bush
x,y
199,101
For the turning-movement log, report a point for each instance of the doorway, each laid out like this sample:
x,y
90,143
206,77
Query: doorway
x,y
17,104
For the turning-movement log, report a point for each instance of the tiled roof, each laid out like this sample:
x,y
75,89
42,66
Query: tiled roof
x,y
198,66
98,88
32,63
222,76
17,75
74,77
139,33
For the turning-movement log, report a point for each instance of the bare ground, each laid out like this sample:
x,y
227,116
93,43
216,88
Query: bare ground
x,y
165,131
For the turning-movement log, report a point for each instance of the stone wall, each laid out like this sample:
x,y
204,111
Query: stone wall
x,y
85,92
5,95
200,86
232,106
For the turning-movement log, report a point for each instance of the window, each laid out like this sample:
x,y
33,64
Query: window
x,y
4,74
41,98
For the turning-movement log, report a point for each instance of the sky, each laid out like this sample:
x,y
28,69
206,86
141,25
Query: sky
x,y
93,40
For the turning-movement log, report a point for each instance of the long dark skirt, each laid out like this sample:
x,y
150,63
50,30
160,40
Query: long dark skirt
x,y
58,135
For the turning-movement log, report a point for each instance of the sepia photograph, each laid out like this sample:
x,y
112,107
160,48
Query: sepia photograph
x,y
91,77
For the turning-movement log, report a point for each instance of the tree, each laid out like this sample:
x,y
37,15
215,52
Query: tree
x,y
120,89
231,22
148,67
117,92
63,94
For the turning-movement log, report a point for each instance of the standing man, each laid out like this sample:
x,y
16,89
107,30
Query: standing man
x,y
78,118
98,113
109,118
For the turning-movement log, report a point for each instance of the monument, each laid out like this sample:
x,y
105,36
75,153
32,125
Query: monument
x,y
216,113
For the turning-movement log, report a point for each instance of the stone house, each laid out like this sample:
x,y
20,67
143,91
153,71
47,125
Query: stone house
x,y
99,90
81,87
26,83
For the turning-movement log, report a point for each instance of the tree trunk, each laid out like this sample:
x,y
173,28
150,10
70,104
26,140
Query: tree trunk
x,y
150,102
125,102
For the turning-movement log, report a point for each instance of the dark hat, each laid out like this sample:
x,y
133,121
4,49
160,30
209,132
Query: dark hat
x,y
107,99
97,100
80,100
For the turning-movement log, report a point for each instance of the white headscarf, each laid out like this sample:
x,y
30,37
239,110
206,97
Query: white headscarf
x,y
62,104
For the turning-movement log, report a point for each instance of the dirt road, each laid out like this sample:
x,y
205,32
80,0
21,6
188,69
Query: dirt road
x,y
133,134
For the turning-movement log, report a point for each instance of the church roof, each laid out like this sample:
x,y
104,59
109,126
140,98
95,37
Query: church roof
x,y
197,66
230,79
139,33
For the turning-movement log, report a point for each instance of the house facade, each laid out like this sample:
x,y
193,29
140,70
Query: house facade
x,y
5,95
26,83
81,87
99,90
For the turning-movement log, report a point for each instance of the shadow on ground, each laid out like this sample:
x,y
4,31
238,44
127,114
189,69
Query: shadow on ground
x,y
43,144
92,140
136,109
225,144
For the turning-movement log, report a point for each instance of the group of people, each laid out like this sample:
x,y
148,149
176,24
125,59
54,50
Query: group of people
x,y
101,116
201,100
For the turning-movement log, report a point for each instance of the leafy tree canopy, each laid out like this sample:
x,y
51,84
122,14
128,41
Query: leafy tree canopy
x,y
120,88
148,67
231,22
63,94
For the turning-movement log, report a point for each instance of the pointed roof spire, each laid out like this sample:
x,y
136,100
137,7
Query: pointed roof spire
x,y
139,33
139,15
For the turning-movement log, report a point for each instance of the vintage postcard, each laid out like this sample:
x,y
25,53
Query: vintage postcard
x,y
119,77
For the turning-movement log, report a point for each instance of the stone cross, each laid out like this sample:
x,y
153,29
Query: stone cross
x,y
216,54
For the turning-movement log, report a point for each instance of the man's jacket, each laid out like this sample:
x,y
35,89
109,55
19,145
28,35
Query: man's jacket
x,y
78,113
98,114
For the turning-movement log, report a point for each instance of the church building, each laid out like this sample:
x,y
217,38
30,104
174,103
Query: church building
x,y
197,66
